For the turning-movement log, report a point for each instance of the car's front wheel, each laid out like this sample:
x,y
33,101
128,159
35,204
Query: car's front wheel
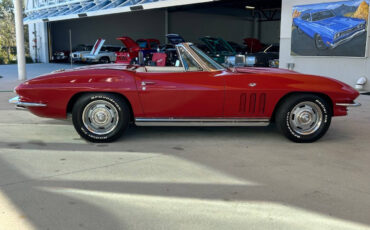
x,y
100,117
319,43
304,118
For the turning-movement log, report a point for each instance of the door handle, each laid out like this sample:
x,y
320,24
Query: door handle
x,y
145,83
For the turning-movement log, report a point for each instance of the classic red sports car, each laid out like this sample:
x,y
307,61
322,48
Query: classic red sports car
x,y
105,99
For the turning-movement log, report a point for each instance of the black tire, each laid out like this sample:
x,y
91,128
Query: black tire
x,y
302,110
319,43
111,109
104,60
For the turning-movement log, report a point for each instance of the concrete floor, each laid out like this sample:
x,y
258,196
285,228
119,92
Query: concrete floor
x,y
182,178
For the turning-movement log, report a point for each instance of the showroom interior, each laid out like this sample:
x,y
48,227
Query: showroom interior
x,y
266,20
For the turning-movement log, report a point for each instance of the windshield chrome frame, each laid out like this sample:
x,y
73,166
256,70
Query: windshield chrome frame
x,y
195,56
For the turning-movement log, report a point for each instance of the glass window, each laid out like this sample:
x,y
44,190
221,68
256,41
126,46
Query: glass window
x,y
188,61
142,43
306,17
207,60
322,15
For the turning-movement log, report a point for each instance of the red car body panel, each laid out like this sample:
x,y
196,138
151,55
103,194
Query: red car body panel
x,y
242,93
133,49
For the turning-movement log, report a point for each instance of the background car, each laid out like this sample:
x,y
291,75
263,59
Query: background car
x,y
147,46
80,51
61,56
65,55
327,29
100,53
106,54
170,48
217,48
254,45
268,57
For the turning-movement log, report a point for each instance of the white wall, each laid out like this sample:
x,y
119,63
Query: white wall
x,y
41,45
345,69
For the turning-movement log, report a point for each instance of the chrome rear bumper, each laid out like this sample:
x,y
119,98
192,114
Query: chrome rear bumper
x,y
354,104
23,105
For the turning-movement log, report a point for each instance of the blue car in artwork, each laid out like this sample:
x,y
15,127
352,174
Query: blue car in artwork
x,y
327,29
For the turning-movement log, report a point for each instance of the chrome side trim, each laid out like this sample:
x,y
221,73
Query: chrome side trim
x,y
202,122
354,104
22,105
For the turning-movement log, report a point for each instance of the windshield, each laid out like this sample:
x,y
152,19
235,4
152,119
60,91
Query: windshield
x,y
322,15
206,59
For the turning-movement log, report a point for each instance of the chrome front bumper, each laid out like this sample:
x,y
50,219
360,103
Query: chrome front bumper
x,y
340,42
354,104
23,105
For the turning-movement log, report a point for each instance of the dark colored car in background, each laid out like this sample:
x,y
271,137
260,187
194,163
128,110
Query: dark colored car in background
x,y
217,48
170,48
268,57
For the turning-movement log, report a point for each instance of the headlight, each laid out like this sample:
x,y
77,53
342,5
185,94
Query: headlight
x,y
337,35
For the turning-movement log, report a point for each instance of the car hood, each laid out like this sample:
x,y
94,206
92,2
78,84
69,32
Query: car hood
x,y
297,78
256,70
128,42
339,24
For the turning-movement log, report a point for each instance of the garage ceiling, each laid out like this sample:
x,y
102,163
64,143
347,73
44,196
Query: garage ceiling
x,y
56,10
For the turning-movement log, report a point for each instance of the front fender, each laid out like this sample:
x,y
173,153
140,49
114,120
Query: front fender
x,y
56,90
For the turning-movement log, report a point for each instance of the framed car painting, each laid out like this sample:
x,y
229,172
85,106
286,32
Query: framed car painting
x,y
330,29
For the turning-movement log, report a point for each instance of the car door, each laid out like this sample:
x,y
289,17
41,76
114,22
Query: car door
x,y
192,94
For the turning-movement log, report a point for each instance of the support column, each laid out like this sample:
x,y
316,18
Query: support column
x,y
19,32
256,27
166,25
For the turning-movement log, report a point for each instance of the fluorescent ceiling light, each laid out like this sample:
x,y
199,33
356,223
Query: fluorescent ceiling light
x,y
250,7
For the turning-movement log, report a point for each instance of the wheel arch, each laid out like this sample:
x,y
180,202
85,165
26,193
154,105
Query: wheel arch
x,y
291,94
76,96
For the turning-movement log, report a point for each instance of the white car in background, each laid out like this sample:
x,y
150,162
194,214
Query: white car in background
x,y
101,53
81,50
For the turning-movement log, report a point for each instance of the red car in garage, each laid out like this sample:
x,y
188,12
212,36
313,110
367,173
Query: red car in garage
x,y
148,46
197,91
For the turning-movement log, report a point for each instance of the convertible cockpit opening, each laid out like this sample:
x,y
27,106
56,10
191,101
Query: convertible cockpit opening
x,y
186,57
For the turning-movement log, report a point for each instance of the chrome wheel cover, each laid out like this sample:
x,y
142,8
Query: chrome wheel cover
x,y
100,117
306,118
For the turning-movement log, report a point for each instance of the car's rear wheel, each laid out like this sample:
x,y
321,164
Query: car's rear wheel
x,y
100,117
104,60
304,118
319,43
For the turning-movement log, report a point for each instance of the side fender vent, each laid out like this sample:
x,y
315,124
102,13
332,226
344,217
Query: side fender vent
x,y
243,103
262,103
252,103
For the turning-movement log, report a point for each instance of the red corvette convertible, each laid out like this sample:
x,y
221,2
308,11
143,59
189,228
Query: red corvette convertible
x,y
105,99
